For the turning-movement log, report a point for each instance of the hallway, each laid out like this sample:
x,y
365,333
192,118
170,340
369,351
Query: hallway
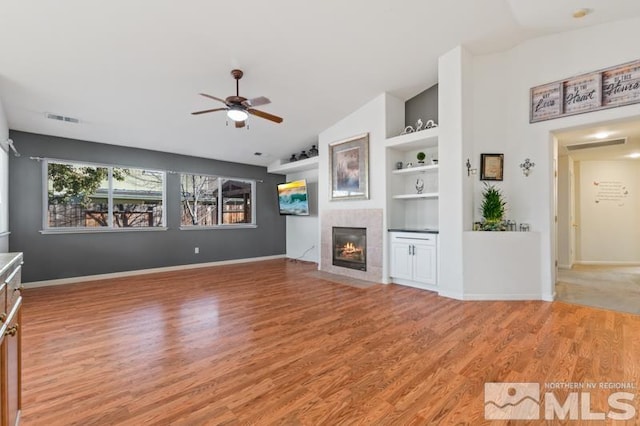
x,y
609,287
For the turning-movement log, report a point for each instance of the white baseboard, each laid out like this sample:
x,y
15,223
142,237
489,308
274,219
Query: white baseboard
x,y
597,262
451,294
564,266
73,280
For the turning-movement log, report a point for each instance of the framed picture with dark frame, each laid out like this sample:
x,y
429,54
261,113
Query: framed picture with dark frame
x,y
349,169
491,166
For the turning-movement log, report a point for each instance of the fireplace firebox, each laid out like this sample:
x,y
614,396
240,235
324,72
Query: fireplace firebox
x,y
350,247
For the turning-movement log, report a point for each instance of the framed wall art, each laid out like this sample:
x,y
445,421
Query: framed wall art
x,y
349,169
491,166
608,88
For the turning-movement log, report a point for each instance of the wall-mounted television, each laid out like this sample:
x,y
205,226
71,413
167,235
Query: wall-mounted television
x,y
293,198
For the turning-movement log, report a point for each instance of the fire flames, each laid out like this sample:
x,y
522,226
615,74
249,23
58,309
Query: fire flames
x,y
350,250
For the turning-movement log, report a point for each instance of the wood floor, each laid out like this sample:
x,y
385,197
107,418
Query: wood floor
x,y
269,343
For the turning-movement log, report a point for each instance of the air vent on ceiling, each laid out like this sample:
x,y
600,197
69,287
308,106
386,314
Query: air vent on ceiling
x,y
596,144
58,117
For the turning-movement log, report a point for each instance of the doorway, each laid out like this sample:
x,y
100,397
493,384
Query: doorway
x,y
598,203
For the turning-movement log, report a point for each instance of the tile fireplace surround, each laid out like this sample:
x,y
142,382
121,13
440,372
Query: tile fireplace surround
x,y
359,218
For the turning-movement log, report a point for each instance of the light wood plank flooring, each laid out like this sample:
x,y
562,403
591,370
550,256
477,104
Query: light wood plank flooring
x,y
270,343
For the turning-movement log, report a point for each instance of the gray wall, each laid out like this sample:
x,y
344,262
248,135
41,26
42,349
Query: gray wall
x,y
424,106
69,255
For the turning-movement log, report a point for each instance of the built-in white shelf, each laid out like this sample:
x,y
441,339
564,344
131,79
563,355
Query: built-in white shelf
x,y
415,140
416,196
294,166
415,170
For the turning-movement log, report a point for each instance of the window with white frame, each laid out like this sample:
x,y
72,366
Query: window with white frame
x,y
216,201
101,197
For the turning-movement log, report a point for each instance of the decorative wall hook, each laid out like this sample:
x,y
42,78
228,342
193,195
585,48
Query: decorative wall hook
x,y
527,166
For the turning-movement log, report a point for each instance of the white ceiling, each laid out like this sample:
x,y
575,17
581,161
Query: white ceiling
x,y
629,129
130,71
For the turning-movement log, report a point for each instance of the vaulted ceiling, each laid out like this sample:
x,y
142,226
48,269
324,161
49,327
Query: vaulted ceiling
x,y
131,71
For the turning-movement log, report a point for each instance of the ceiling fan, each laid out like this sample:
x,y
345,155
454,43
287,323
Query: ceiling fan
x,y
239,108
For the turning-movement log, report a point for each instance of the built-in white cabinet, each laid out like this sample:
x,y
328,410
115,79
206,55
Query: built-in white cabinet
x,y
413,259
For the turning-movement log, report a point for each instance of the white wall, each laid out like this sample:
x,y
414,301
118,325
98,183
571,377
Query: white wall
x,y
455,102
303,232
609,226
4,184
501,116
381,117
370,118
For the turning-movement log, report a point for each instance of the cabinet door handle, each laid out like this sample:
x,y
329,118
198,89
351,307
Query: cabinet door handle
x,y
11,331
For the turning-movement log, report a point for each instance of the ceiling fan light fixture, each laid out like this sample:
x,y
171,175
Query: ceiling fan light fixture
x,y
237,114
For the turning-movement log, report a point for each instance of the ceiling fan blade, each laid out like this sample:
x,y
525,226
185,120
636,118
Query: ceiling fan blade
x,y
260,100
239,124
213,97
266,115
208,110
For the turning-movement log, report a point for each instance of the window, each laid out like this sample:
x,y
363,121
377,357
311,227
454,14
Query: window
x,y
236,201
93,197
215,201
199,200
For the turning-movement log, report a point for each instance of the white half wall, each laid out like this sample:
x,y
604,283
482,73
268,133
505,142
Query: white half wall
x,y
505,266
608,211
4,183
303,232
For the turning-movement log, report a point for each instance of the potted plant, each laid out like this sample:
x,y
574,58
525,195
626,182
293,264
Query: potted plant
x,y
421,156
492,208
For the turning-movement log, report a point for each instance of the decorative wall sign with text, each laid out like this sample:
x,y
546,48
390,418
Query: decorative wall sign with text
x,y
609,88
611,191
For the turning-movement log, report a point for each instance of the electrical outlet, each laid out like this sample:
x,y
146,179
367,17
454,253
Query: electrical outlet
x,y
196,250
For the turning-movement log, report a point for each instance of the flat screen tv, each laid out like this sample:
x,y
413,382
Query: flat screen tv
x,y
293,198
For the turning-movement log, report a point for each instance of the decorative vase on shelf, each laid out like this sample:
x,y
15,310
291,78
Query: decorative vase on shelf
x,y
421,156
419,185
293,158
303,155
313,152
